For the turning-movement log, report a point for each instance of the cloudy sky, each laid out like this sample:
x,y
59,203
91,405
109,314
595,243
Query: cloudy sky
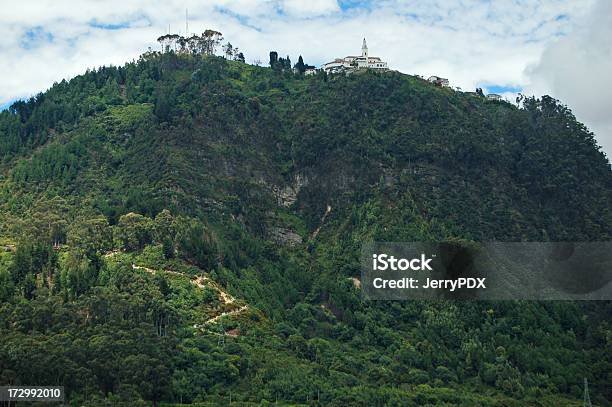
x,y
556,47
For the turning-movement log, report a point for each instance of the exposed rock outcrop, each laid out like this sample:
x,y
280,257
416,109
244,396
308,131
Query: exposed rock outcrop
x,y
286,196
285,236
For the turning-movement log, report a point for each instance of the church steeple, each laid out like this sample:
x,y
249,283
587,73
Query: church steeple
x,y
356,62
364,48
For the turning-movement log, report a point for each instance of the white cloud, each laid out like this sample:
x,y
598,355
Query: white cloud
x,y
309,8
472,42
577,70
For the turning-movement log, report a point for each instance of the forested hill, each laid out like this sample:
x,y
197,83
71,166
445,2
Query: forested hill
x,y
185,228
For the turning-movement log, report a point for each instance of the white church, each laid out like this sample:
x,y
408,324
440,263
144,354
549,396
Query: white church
x,y
353,63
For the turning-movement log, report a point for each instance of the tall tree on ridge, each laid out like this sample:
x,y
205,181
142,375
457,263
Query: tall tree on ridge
x,y
211,39
228,50
300,66
273,58
239,56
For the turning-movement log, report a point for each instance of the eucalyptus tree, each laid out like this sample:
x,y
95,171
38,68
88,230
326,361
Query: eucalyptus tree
x,y
228,50
182,42
174,40
211,40
165,42
194,44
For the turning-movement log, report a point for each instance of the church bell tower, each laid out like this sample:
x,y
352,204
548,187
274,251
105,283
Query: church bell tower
x,y
364,49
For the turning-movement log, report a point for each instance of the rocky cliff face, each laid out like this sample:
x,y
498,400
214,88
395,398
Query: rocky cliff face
x,y
287,195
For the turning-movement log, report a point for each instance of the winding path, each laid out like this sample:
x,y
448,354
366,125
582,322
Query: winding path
x,y
203,282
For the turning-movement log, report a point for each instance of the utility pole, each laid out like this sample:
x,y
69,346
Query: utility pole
x,y
586,401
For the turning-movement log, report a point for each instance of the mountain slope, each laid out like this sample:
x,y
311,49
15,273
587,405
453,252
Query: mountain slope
x,y
268,183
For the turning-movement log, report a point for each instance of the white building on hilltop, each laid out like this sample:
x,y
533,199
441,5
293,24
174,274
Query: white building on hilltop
x,y
438,81
353,63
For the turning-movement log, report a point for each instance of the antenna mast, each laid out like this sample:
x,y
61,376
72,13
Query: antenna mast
x,y
186,23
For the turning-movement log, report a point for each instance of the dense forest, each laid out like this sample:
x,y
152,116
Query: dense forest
x,y
187,229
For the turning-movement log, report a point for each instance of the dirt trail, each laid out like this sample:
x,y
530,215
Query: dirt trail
x,y
234,312
153,271
316,232
203,282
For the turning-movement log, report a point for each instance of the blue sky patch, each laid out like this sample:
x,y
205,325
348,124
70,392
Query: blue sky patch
x,y
4,106
109,26
35,37
355,4
94,23
242,19
502,89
